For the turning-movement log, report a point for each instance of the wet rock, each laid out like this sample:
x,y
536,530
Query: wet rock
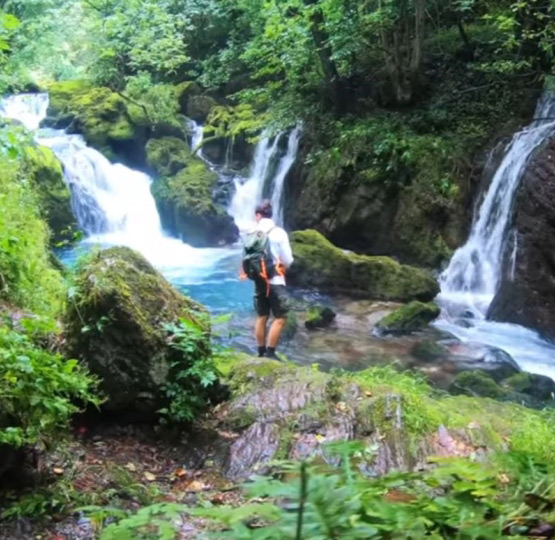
x,y
477,383
319,317
184,91
429,351
319,264
167,156
476,356
115,324
539,387
526,294
408,318
199,107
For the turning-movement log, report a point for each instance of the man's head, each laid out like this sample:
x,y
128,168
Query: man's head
x,y
264,210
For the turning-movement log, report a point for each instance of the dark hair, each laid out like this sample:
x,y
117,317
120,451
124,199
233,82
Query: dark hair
x,y
265,209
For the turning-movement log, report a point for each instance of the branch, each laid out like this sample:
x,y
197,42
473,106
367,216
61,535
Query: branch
x,y
133,102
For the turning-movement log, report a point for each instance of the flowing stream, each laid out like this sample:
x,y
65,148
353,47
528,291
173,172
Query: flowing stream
x,y
469,283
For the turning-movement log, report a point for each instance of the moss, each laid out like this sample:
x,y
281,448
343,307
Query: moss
x,y
45,172
319,317
477,383
116,325
408,318
185,90
168,155
188,210
429,351
320,264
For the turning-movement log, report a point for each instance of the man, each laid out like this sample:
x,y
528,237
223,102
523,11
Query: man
x,y
272,296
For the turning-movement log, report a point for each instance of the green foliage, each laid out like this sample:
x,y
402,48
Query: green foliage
x,y
27,278
190,384
154,522
39,390
458,498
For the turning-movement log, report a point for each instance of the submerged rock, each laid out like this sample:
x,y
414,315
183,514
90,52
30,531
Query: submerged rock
x,y
115,324
319,264
526,294
408,318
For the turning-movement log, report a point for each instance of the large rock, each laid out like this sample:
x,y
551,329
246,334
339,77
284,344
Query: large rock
x,y
408,318
45,172
526,294
185,195
115,324
319,264
199,107
101,116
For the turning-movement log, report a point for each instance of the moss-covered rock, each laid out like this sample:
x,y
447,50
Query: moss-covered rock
x,y
199,107
187,209
429,351
45,172
477,383
115,324
184,91
536,386
281,411
408,318
100,115
319,317
319,264
166,156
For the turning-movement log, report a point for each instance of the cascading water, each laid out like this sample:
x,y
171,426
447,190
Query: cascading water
x,y
264,174
112,203
470,282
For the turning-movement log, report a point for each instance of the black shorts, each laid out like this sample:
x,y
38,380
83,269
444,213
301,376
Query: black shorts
x,y
277,301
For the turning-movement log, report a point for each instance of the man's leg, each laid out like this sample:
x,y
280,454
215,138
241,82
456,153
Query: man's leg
x,y
260,333
279,303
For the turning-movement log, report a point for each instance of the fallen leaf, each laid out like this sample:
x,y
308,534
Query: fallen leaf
x,y
320,438
368,393
341,406
180,472
131,467
58,470
503,478
196,485
149,476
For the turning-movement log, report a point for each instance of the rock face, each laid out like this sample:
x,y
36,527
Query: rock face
x,y
408,318
101,116
115,325
319,264
45,172
184,193
526,294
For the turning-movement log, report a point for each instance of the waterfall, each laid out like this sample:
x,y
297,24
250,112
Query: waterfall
x,y
472,277
112,203
265,175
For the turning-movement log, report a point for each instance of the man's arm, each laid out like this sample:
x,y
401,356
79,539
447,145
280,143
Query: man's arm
x,y
285,253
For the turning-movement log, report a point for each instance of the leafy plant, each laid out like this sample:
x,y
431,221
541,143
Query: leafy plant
x,y
193,373
39,391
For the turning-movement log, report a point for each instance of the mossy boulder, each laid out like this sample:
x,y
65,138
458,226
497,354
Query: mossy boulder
x,y
199,107
115,324
429,351
45,172
184,91
319,317
536,386
477,383
187,208
409,318
100,115
319,264
167,156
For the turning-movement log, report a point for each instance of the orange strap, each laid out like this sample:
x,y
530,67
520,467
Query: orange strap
x,y
264,276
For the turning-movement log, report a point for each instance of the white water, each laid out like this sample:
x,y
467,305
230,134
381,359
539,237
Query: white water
x,y
112,203
265,173
471,280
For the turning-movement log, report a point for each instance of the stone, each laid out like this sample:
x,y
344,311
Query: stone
x,y
319,317
526,293
409,318
115,325
167,156
184,91
428,351
46,174
477,383
539,387
321,265
101,116
187,209
199,107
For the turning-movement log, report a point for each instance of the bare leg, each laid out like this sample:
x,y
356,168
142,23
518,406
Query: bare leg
x,y
275,332
260,330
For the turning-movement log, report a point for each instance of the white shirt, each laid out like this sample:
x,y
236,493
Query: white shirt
x,y
279,246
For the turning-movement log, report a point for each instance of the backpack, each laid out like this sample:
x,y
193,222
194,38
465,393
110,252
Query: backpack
x,y
258,263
